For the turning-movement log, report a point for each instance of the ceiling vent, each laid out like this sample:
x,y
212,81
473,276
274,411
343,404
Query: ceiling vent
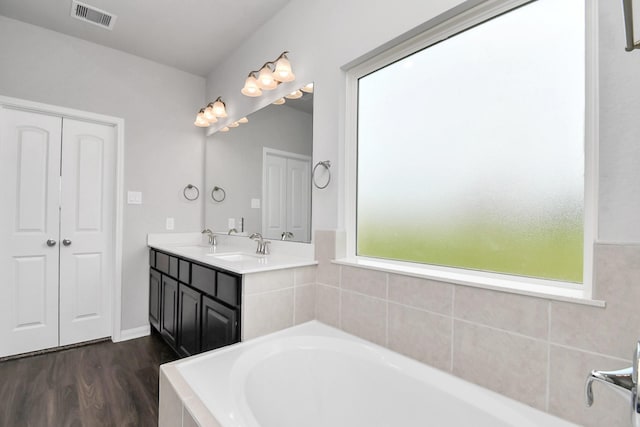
x,y
92,15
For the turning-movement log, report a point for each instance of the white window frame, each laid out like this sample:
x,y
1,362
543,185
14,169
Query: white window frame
x,y
582,293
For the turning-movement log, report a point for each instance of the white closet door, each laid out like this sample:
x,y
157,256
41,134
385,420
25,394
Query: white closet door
x,y
274,188
86,231
298,193
29,179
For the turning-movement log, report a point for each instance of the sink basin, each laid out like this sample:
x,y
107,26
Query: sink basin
x,y
235,257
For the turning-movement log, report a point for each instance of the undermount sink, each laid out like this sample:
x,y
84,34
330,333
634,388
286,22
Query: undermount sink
x,y
235,257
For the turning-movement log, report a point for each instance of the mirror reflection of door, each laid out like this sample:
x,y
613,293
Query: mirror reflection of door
x,y
286,188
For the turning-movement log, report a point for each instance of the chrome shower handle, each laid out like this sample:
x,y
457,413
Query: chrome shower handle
x,y
622,381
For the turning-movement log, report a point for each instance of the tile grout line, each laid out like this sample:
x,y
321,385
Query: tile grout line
x,y
548,391
386,306
453,329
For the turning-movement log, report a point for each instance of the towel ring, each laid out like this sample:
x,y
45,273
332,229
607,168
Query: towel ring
x,y
191,187
213,194
326,164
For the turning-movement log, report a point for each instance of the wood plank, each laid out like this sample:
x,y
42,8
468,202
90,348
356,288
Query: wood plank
x,y
102,384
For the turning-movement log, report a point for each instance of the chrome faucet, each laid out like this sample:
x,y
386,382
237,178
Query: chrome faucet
x,y
622,381
286,235
212,237
263,245
232,230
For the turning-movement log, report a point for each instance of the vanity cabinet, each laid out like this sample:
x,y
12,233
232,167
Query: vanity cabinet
x,y
195,307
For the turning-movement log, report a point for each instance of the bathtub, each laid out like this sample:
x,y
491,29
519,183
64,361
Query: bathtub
x,y
313,375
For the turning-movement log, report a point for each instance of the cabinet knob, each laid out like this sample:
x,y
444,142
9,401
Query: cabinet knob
x,y
66,242
51,242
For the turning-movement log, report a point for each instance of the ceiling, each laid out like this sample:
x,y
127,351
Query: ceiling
x,y
191,35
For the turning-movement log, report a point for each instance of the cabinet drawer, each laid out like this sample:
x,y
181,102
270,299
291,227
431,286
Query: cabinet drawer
x,y
203,279
185,272
228,288
167,264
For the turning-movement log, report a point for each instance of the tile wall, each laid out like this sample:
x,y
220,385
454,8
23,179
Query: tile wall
x,y
534,350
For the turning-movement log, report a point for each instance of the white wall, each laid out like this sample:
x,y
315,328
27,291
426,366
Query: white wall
x,y
234,162
163,150
324,36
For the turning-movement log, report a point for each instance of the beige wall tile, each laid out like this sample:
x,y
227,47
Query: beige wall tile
x,y
368,282
421,335
305,275
516,313
170,406
200,413
421,293
328,305
305,304
509,364
325,244
328,273
187,419
267,312
569,369
325,249
612,330
267,281
364,316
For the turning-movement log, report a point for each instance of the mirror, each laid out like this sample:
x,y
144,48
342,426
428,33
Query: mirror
x,y
262,171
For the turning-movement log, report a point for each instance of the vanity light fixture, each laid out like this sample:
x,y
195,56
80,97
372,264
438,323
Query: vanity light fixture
x,y
211,113
294,95
243,120
224,129
234,125
307,88
279,101
201,121
269,76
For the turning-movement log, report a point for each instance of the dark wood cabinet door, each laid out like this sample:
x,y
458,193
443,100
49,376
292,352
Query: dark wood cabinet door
x,y
169,304
189,312
154,298
219,324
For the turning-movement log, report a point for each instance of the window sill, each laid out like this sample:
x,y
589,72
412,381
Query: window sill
x,y
477,280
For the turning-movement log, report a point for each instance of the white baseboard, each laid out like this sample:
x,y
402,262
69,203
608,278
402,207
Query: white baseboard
x,y
129,334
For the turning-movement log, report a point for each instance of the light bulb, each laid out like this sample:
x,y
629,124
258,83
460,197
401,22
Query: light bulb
x,y
209,115
279,101
251,87
224,129
283,72
234,125
294,95
266,80
219,108
243,120
200,120
307,88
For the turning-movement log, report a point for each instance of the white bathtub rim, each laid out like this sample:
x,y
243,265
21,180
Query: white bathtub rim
x,y
225,405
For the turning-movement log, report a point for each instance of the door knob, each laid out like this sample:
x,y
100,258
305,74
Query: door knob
x,y
66,242
51,242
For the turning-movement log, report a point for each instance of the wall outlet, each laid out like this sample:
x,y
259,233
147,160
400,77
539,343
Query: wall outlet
x,y
134,197
170,224
255,203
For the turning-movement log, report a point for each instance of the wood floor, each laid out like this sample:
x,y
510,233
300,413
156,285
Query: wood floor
x,y
103,384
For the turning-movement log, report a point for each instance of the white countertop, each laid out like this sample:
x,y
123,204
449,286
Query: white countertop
x,y
230,257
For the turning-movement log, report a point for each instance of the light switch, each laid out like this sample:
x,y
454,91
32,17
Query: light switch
x,y
255,203
134,197
170,223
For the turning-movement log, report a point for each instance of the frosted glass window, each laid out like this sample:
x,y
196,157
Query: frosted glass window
x,y
471,151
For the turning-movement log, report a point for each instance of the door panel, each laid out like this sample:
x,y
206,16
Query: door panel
x,y
86,224
29,180
274,198
298,194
